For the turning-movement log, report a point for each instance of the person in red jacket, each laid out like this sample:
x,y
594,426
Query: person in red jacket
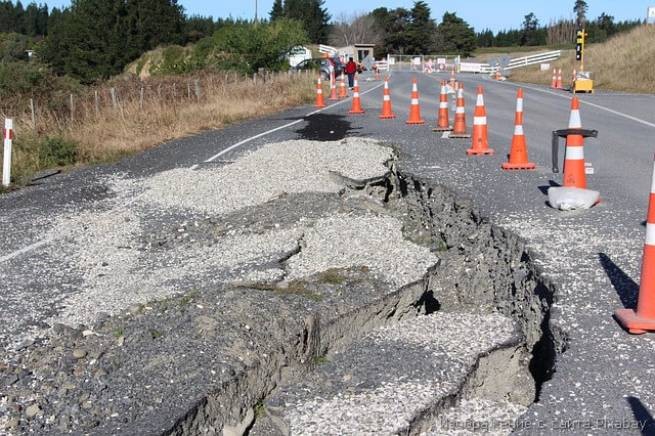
x,y
351,69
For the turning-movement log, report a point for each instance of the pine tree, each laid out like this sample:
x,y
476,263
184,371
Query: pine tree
x,y
277,11
422,30
580,10
454,35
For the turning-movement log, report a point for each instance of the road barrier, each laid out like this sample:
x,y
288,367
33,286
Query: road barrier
x,y
415,107
387,110
320,101
480,143
518,155
8,135
642,320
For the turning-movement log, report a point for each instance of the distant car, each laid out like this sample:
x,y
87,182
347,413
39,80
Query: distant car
x,y
322,65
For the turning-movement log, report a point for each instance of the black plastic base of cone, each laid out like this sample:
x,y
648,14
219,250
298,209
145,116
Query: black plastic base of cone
x,y
415,123
387,117
442,129
459,136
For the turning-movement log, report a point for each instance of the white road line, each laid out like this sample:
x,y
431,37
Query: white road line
x,y
292,123
597,106
43,242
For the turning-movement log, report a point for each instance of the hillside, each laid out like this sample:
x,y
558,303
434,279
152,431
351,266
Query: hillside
x,y
623,63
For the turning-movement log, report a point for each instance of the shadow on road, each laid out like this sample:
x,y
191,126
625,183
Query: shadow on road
x,y
325,127
551,184
642,416
625,287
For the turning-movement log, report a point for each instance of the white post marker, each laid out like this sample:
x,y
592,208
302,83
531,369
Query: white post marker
x,y
8,135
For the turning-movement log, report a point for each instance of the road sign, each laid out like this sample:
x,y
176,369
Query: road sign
x,y
650,15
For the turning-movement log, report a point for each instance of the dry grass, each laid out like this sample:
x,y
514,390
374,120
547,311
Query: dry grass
x,y
623,63
144,114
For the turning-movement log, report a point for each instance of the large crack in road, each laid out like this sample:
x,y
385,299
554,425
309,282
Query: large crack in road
x,y
303,273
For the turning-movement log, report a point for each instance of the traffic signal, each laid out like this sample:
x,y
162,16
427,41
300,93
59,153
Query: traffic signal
x,y
579,46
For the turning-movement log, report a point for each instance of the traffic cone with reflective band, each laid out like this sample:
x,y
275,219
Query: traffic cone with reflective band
x,y
459,129
415,107
333,88
343,91
553,82
518,154
480,143
387,111
443,124
574,166
453,78
320,100
642,320
559,79
356,108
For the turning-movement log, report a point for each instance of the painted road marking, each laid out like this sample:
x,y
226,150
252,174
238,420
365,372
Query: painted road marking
x,y
43,242
597,106
268,132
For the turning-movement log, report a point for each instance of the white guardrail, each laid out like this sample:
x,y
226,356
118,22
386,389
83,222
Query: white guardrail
x,y
524,61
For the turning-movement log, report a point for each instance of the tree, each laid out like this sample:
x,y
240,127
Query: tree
x,y
392,25
454,35
277,11
529,30
580,9
421,31
355,29
486,38
312,15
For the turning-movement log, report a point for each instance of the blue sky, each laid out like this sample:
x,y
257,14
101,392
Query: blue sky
x,y
494,14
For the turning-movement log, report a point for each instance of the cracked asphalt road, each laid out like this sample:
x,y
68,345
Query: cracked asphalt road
x,y
605,376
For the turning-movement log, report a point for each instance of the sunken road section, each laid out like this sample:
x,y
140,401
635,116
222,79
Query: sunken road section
x,y
302,274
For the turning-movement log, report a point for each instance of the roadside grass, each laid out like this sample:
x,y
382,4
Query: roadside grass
x,y
102,127
623,63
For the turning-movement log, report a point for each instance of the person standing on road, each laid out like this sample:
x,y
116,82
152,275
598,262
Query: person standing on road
x,y
351,69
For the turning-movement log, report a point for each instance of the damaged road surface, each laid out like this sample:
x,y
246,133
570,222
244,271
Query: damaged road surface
x,y
304,288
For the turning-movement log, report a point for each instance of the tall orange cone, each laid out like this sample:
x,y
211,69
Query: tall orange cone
x,y
453,78
459,130
415,107
480,143
356,108
574,167
333,88
387,111
343,91
642,320
559,79
443,124
320,100
553,82
518,155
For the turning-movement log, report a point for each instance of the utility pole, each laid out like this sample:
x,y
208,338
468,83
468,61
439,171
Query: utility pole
x,y
256,11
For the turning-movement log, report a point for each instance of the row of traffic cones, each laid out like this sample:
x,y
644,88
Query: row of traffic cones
x,y
636,321
557,81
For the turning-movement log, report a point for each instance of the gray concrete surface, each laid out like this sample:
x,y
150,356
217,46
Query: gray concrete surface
x,y
603,381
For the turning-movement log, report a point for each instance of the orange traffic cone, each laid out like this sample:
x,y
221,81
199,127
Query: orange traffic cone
x,y
518,155
343,91
642,320
559,79
333,88
480,143
320,101
356,108
442,124
459,130
553,82
387,111
574,166
453,78
415,107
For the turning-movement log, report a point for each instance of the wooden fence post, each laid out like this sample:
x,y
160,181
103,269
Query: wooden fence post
x,y
33,113
72,107
114,103
197,89
96,102
141,98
